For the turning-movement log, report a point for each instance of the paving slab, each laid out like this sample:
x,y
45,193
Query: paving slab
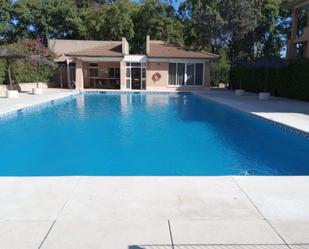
x,y
34,198
102,234
27,99
293,231
205,232
303,246
282,198
284,201
22,234
158,198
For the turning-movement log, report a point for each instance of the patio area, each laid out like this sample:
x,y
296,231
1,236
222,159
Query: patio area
x,y
154,212
289,112
27,99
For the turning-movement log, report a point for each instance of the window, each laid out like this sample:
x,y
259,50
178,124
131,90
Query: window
x,y
93,70
135,64
180,74
114,73
117,73
72,71
172,74
188,74
199,74
128,72
128,83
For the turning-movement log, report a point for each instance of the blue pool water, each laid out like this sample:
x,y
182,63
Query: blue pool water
x,y
146,135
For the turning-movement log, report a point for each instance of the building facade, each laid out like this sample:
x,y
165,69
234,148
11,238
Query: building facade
x,y
299,39
108,65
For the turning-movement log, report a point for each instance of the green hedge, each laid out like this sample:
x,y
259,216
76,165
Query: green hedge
x,y
24,72
290,82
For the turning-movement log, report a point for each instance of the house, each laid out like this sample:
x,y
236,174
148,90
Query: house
x,y
108,65
298,42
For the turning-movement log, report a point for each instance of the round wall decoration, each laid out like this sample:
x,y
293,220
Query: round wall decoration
x,y
156,77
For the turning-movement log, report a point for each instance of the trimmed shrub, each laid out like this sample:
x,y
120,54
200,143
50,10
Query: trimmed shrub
x,y
290,82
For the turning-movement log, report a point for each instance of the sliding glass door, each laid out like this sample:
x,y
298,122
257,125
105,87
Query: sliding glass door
x,y
190,74
185,74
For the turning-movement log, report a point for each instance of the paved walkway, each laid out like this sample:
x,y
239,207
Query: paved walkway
x,y
288,112
27,99
130,212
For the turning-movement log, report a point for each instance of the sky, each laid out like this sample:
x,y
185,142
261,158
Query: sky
x,y
176,3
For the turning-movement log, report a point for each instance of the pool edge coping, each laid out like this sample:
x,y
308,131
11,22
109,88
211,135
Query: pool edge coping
x,y
15,110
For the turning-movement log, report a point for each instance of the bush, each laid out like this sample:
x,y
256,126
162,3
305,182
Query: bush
x,y
2,71
290,82
25,70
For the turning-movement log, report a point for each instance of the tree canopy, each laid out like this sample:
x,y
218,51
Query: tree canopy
x,y
235,28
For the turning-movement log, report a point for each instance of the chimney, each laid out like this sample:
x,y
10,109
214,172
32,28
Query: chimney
x,y
125,46
147,45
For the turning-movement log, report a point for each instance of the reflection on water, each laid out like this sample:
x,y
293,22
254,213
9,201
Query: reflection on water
x,y
126,101
80,103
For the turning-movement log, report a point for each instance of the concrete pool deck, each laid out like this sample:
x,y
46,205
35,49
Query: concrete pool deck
x,y
151,212
289,112
27,99
158,212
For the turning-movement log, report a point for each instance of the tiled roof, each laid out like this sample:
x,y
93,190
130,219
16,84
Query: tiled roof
x,y
85,47
160,49
104,50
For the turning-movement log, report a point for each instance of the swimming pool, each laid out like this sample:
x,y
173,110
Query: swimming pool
x,y
127,134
